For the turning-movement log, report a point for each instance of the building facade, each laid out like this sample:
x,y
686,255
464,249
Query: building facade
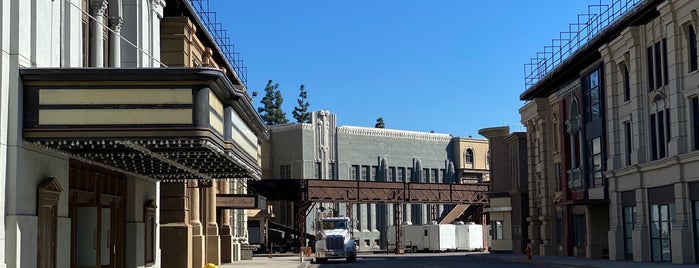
x,y
323,150
509,200
101,140
612,134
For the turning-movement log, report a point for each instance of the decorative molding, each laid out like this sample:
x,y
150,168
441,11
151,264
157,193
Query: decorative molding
x,y
390,133
97,7
51,184
117,23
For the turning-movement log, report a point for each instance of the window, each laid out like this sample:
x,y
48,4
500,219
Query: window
x,y
365,173
497,230
659,133
627,142
578,230
592,96
354,173
695,121
401,175
435,175
316,170
696,229
594,162
692,46
409,175
426,175
468,158
557,169
629,214
149,219
627,83
374,173
285,172
391,174
331,171
661,217
657,65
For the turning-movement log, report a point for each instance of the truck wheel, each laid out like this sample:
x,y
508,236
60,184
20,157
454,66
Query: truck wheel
x,y
352,259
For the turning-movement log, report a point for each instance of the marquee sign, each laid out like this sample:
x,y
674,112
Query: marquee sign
x,y
240,201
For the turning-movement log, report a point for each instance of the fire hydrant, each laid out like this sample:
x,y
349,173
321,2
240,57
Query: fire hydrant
x,y
528,251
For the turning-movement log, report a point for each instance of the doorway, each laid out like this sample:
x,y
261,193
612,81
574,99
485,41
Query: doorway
x,y
97,216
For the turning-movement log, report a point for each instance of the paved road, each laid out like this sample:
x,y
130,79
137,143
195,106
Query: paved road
x,y
426,260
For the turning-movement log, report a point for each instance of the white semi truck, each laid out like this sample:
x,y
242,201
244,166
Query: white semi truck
x,y
334,240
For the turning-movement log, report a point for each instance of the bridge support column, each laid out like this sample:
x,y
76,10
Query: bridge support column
x,y
397,221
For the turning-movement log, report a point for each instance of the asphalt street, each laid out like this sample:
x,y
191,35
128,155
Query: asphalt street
x,y
426,260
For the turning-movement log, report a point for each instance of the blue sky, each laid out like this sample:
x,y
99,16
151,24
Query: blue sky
x,y
448,66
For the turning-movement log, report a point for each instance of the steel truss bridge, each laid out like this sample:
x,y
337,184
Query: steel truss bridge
x,y
304,192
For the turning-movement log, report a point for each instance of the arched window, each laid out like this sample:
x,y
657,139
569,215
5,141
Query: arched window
x,y
468,158
692,46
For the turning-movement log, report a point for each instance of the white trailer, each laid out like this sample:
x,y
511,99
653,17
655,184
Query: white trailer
x,y
439,237
469,236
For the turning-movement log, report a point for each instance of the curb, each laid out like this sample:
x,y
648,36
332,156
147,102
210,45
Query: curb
x,y
537,262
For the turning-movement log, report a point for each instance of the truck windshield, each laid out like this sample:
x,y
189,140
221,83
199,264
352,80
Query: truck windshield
x,y
329,225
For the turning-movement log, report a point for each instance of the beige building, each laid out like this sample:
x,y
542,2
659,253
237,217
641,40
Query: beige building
x,y
612,135
472,159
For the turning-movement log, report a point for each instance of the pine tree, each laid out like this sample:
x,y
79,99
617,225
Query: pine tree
x,y
271,111
301,113
379,123
280,115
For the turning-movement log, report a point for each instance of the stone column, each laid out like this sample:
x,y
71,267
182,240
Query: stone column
x,y
97,8
225,228
175,232
213,240
195,222
641,232
115,42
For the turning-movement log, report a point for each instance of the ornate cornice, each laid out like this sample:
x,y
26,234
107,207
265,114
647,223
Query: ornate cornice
x,y
390,133
117,23
97,7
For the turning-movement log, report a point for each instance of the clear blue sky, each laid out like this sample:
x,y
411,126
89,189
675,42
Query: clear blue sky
x,y
449,66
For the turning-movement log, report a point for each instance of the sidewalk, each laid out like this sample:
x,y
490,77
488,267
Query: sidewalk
x,y
560,261
277,261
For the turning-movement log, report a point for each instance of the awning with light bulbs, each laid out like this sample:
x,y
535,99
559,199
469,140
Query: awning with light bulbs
x,y
168,124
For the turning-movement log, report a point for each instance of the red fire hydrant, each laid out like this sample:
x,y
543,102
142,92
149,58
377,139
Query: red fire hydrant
x,y
528,251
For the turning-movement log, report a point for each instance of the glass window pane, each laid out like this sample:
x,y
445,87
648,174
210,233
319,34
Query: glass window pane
x,y
663,213
655,230
655,249
596,146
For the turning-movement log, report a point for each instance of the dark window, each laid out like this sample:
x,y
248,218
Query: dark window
x,y
658,66
559,183
661,134
649,57
285,172
374,173
593,93
354,173
578,230
468,155
627,84
365,173
665,71
316,170
692,49
695,119
653,138
696,229
594,162
661,217
628,217
401,175
627,142
497,230
391,174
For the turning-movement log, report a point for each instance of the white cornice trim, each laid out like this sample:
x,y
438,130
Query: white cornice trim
x,y
392,133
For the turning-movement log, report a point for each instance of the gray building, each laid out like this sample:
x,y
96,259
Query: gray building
x,y
322,150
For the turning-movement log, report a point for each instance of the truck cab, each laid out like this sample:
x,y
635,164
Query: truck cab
x,y
335,240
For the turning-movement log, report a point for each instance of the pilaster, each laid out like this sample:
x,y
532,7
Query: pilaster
x,y
213,240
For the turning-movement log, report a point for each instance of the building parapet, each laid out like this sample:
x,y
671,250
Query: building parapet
x,y
391,133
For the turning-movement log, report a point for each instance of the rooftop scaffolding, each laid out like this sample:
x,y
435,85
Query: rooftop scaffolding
x,y
598,18
219,34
